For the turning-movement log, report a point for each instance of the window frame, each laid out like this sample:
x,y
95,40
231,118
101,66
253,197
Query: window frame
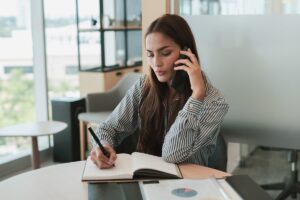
x,y
40,85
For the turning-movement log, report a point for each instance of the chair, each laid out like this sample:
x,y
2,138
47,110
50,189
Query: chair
x,y
100,105
291,186
218,160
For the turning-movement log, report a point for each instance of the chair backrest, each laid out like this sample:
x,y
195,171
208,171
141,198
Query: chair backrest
x,y
125,83
107,101
218,160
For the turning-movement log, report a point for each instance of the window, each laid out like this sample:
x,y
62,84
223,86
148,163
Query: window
x,y
17,104
61,40
22,69
71,70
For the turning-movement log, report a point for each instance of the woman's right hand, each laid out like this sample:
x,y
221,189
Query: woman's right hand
x,y
100,160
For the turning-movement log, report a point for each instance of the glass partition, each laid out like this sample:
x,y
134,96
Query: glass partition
x,y
88,14
109,39
90,50
114,48
134,48
113,14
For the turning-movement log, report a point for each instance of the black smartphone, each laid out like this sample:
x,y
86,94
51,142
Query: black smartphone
x,y
180,79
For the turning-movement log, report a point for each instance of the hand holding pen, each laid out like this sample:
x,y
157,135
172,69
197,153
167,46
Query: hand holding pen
x,y
104,155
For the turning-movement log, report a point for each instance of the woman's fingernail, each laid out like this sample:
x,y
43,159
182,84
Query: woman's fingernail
x,y
111,162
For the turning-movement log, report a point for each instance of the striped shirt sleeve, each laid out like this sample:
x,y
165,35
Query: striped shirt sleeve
x,y
123,121
194,130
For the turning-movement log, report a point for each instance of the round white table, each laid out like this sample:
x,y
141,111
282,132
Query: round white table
x,y
63,181
33,130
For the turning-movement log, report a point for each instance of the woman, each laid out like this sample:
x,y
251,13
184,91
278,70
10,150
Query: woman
x,y
178,125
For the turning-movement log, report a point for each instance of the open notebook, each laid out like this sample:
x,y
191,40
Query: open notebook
x,y
134,166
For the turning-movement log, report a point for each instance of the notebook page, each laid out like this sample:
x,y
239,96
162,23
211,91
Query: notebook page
x,y
122,169
146,161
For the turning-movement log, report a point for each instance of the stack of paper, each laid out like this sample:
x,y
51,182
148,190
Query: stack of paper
x,y
188,189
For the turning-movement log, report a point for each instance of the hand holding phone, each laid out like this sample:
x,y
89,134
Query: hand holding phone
x,y
189,77
180,81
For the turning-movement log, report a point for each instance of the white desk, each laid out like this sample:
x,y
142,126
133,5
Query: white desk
x,y
33,130
63,181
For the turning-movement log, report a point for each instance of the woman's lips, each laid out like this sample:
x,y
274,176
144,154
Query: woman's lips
x,y
160,73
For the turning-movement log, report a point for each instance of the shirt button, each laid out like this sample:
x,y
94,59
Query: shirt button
x,y
191,105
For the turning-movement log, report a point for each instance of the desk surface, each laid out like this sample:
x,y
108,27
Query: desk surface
x,y
63,181
33,129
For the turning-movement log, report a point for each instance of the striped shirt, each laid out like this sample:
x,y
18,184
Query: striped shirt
x,y
191,138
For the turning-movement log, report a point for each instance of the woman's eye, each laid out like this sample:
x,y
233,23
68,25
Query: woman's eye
x,y
149,54
166,53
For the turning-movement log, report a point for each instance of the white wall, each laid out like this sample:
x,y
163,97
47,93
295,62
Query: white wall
x,y
255,62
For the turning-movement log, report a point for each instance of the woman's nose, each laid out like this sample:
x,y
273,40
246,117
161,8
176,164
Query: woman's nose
x,y
157,62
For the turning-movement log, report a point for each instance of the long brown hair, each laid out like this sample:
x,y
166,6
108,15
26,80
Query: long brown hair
x,y
155,93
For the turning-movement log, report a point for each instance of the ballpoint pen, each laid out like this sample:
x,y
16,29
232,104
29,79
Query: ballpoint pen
x,y
104,151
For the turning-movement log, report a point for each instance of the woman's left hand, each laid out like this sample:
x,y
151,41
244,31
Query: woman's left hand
x,y
193,68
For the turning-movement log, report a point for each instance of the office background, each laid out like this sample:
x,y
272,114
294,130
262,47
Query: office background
x,y
257,60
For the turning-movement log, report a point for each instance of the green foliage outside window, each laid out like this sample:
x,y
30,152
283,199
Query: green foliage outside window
x,y
16,105
16,99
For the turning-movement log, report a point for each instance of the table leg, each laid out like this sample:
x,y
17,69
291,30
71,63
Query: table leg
x,y
82,140
35,156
